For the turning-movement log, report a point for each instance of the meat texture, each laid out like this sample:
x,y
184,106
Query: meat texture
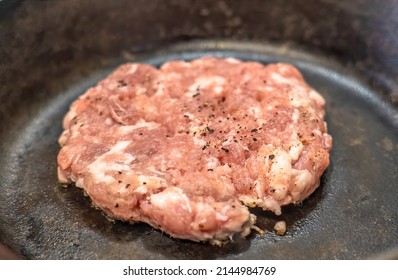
x,y
187,148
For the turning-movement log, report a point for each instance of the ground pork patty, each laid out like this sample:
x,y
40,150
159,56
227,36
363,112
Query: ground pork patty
x,y
187,147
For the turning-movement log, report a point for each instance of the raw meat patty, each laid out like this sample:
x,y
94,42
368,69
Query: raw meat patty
x,y
187,147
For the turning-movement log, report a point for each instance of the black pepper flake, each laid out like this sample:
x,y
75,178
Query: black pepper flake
x,y
203,148
121,83
225,149
100,113
140,133
210,169
211,116
254,139
210,130
223,99
186,116
233,206
312,134
120,172
203,134
128,185
254,130
236,141
186,132
117,205
144,183
196,94
271,156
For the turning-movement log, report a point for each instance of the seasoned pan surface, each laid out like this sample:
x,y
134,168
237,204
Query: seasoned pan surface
x,y
353,215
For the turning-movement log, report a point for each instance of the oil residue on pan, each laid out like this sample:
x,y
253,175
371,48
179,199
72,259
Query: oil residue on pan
x,y
351,216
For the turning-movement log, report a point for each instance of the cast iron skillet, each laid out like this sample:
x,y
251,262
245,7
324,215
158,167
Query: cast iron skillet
x,y
51,52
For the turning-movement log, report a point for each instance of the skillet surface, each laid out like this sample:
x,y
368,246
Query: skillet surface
x,y
353,215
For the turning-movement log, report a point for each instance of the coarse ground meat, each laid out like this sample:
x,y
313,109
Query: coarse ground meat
x,y
187,148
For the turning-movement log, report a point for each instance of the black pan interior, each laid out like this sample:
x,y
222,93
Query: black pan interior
x,y
353,215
